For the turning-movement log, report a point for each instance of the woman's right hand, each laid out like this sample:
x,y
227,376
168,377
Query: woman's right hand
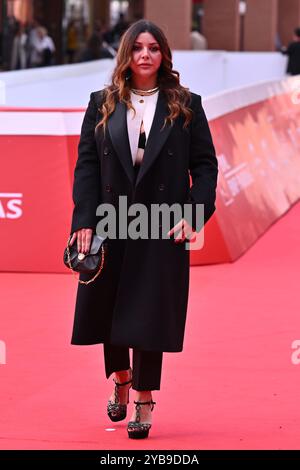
x,y
84,237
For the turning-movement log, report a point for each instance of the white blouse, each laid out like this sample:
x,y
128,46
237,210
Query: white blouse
x,y
145,108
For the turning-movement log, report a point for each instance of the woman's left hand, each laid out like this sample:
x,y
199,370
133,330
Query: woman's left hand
x,y
185,231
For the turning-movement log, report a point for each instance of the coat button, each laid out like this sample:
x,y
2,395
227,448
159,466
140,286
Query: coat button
x,y
161,187
170,152
108,188
106,151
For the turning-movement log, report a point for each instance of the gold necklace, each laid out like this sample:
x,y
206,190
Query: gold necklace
x,y
144,92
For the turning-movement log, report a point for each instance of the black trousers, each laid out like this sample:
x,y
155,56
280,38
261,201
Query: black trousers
x,y
146,365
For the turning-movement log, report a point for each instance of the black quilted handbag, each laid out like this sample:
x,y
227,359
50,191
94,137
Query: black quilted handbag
x,y
90,263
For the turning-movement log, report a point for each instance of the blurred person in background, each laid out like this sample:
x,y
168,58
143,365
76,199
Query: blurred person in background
x,y
72,41
10,27
121,26
107,34
278,42
96,49
293,53
198,41
118,30
43,49
32,33
19,49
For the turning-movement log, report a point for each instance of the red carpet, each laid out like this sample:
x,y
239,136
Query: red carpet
x,y
234,386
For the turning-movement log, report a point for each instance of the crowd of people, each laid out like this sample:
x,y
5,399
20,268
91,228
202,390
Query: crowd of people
x,y
30,45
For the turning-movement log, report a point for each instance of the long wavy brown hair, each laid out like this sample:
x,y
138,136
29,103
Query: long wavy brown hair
x,y
177,96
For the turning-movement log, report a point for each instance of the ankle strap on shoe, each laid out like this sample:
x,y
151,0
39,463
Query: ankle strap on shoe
x,y
152,403
123,383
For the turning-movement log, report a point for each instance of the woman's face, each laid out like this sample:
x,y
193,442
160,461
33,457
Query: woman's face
x,y
146,56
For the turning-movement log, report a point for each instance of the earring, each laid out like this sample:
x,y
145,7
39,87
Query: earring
x,y
128,75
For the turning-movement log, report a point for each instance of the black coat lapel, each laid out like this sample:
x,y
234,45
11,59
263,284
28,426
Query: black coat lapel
x,y
117,125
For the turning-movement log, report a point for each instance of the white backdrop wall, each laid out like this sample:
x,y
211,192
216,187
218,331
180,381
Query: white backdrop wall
x,y
204,72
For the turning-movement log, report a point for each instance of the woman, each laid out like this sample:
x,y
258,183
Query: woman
x,y
150,132
43,49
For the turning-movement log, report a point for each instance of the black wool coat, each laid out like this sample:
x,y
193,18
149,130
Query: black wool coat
x,y
140,298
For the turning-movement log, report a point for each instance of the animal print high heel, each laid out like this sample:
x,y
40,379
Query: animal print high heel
x,y
136,429
115,410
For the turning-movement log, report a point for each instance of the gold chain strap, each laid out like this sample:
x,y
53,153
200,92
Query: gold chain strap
x,y
70,265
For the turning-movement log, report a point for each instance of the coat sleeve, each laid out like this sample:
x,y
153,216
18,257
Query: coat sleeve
x,y
203,166
86,185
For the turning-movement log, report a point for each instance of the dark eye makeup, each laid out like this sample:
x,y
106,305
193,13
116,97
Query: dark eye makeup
x,y
136,47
